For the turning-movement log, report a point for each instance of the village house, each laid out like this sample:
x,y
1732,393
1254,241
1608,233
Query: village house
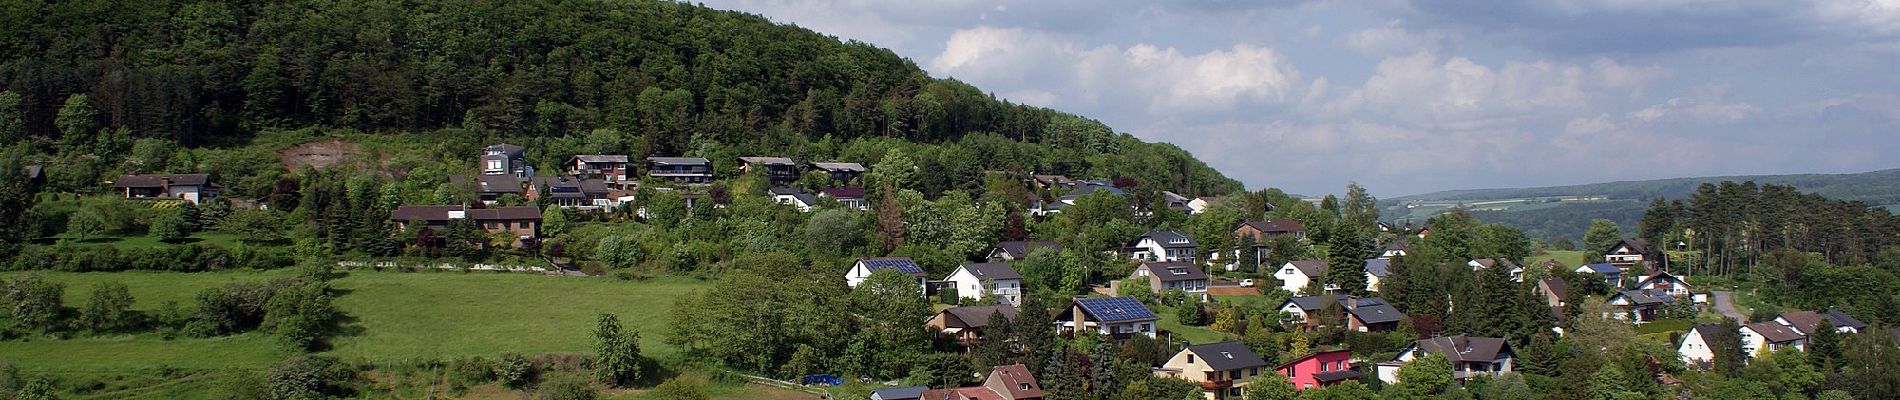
x,y
680,169
1362,314
193,188
1117,318
1694,348
505,159
1260,232
1162,246
776,170
998,280
608,168
794,197
1201,204
1470,356
964,325
842,173
489,188
900,393
1805,322
1165,276
1627,253
1295,275
1318,369
1672,285
848,196
1517,272
1377,269
571,192
1082,188
1005,382
522,222
1177,202
1222,369
865,266
1397,248
1638,305
1769,336
1019,249
1611,275
1553,290
1051,182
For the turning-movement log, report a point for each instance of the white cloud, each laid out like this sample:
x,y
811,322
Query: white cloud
x,y
1392,39
1706,106
1425,88
1878,17
1169,79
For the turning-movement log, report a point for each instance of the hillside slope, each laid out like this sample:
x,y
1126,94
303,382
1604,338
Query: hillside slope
x,y
1877,188
603,76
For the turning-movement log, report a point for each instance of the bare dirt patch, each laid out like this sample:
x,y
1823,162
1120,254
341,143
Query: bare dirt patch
x,y
317,154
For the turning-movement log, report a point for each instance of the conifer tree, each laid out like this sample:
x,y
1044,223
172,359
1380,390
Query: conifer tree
x,y
1540,357
1824,345
1346,257
1102,370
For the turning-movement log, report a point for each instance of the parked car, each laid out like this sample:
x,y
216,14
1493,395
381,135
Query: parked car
x,y
1246,283
822,380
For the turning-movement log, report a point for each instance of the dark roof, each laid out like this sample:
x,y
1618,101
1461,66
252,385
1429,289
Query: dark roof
x,y
1115,309
504,213
900,393
839,166
491,183
1774,332
1463,348
1644,297
1637,245
1704,330
1604,268
979,316
1335,376
767,160
1492,262
1373,310
1312,268
899,264
1379,267
152,181
1015,377
678,160
1557,286
1275,225
1227,356
1840,318
441,213
1021,248
1166,239
1398,244
844,193
1175,271
992,271
598,158
558,184
1086,189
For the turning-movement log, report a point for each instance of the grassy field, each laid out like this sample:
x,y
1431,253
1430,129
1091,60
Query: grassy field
x,y
1570,258
139,242
393,316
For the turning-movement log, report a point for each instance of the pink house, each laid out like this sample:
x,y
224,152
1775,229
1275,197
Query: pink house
x,y
1319,369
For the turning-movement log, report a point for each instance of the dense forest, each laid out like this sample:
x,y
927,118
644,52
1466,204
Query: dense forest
x,y
89,79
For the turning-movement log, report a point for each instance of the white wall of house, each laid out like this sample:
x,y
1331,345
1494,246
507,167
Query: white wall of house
x,y
971,287
1694,349
1675,288
1372,282
1291,278
1754,345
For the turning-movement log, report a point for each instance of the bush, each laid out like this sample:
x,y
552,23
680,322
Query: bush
x,y
568,386
472,371
678,389
109,309
307,377
515,372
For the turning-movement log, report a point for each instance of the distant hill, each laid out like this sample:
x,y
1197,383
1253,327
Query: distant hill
x,y
1565,211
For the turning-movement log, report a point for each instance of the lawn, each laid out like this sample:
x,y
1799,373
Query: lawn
x,y
1570,258
394,316
140,242
1193,334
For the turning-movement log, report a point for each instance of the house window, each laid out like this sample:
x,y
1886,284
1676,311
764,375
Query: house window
x,y
1190,358
494,164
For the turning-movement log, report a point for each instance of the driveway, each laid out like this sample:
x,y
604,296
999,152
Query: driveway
x,y
1725,304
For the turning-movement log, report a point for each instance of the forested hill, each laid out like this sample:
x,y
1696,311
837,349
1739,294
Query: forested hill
x,y
1875,188
641,77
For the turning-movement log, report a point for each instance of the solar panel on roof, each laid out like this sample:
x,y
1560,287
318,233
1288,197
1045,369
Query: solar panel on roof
x,y
1111,309
901,265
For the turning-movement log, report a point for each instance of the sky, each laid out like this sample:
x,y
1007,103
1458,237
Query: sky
x,y
1412,96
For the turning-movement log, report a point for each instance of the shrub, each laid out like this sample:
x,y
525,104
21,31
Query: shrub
x,y
515,372
568,386
109,309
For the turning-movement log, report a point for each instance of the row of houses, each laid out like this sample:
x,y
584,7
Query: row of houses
x,y
508,159
1788,330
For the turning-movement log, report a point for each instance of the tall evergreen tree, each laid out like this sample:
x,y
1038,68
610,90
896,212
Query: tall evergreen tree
x,y
1540,357
1725,342
1102,381
1824,345
1348,249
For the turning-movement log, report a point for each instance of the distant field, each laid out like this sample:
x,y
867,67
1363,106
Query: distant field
x,y
1570,258
402,316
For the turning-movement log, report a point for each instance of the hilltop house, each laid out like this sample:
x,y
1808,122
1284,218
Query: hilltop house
x,y
1638,305
505,159
1553,290
1020,249
193,188
1200,204
1319,369
1397,248
1362,314
1165,276
1627,253
842,173
1470,356
1377,269
1261,231
865,266
522,222
571,192
1295,275
1222,369
1768,336
1612,276
1694,348
1006,382
776,170
1671,285
1517,272
1162,246
680,169
489,188
849,197
965,325
1805,322
794,197
974,281
1118,318
608,168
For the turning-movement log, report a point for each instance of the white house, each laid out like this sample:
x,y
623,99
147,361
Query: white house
x,y
1199,205
973,281
1768,336
1376,269
865,266
1517,272
1806,322
1396,249
193,188
1118,318
794,197
1469,355
1162,246
1165,276
1695,347
1672,285
1612,276
1295,275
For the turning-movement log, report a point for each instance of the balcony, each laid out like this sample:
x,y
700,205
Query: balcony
x,y
1213,385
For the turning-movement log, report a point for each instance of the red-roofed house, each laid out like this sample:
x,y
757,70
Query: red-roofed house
x,y
1006,382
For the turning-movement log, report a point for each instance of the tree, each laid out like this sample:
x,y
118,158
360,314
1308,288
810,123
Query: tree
x,y
1425,376
996,346
831,232
1870,364
894,171
12,125
1607,384
254,225
1602,234
1725,343
1249,260
1360,210
33,303
170,226
1541,356
1824,346
300,313
108,309
553,221
1190,312
1347,251
890,220
1271,387
1226,318
617,359
77,122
